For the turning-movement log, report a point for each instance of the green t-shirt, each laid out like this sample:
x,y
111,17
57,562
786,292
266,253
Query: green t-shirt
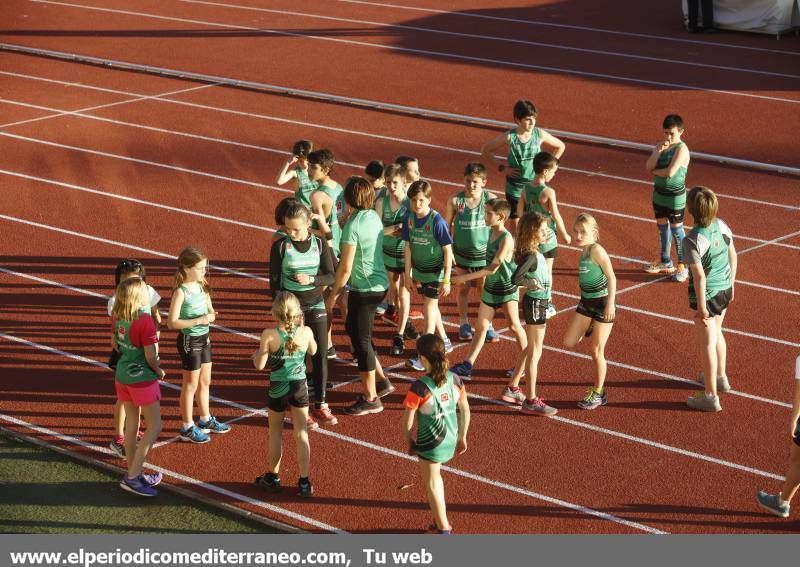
x,y
520,157
470,233
194,305
132,366
427,255
708,246
670,192
437,432
364,230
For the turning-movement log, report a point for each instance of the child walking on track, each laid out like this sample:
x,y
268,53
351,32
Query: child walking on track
x,y
596,309
441,433
521,143
284,349
428,259
191,313
128,268
499,291
668,163
712,263
137,375
532,273
302,263
296,167
465,214
540,198
778,504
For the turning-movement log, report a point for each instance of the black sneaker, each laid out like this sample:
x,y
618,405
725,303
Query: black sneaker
x,y
305,489
363,407
410,331
331,352
384,388
269,481
398,345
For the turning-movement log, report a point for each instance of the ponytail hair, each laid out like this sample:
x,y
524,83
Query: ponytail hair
x,y
432,348
286,310
590,223
188,258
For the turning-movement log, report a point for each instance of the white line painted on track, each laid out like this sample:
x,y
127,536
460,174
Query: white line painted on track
x,y
768,242
428,52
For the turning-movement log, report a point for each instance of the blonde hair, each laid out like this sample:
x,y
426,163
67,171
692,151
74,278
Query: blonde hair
x,y
188,258
591,224
286,310
129,298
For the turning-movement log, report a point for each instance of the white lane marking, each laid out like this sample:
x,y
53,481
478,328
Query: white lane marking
x,y
773,241
447,55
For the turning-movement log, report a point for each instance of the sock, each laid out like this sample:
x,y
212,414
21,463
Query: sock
x,y
679,234
514,388
666,242
187,425
120,439
205,418
709,396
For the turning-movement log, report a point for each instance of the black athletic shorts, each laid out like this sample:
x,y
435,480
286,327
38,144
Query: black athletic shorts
x,y
285,394
673,216
513,202
401,270
594,308
194,351
534,310
429,290
717,304
551,253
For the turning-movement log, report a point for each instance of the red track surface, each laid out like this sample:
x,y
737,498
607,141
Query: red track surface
x,y
645,459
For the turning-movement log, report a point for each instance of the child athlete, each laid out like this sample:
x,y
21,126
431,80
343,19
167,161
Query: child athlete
x,y
296,167
137,376
440,432
284,349
191,312
596,309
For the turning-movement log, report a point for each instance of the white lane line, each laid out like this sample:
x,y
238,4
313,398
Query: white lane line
x,y
429,52
773,241
101,106
332,434
521,21
177,476
513,41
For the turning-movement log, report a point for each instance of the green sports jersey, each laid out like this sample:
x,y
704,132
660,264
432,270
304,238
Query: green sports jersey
x,y
542,275
295,262
470,233
132,366
532,204
304,187
520,157
393,246
437,432
364,230
427,255
708,246
498,287
336,195
670,192
285,367
195,304
591,277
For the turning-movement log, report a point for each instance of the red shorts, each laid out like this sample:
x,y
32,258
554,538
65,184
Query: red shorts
x,y
141,393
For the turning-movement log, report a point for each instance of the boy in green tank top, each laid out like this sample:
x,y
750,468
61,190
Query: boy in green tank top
x,y
465,216
499,290
521,144
296,167
668,164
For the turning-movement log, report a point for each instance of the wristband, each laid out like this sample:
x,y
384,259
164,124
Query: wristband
x,y
445,281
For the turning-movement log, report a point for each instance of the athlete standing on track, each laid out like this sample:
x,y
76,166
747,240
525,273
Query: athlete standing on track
x,y
299,159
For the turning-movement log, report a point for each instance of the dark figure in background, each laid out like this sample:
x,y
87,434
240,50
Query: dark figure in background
x,y
708,16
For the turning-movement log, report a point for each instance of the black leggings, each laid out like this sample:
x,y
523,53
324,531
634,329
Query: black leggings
x,y
360,318
317,321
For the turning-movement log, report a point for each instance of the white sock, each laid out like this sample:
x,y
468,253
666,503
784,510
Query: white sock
x,y
187,425
205,418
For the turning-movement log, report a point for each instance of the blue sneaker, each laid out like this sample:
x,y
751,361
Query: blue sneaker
x,y
213,426
138,485
463,369
492,336
771,503
465,332
415,364
194,435
153,479
381,308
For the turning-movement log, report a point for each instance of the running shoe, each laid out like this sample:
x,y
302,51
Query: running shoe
x,y
723,385
391,316
323,415
415,364
660,268
492,336
269,481
681,274
771,503
384,387
331,352
304,489
551,311
410,331
448,346
153,479
433,529
703,403
362,406
593,399
465,332
138,485
537,406
213,426
512,396
118,447
381,308
398,346
463,369
194,435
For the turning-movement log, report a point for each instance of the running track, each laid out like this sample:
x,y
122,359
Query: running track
x,y
98,164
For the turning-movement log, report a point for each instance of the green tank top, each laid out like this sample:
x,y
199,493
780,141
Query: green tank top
x,y
285,367
498,287
532,204
670,192
304,187
194,305
712,244
336,195
393,247
542,274
437,432
132,366
427,256
591,277
520,157
470,233
295,262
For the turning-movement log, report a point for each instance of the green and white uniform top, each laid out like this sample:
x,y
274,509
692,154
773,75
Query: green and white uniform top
x,y
426,243
437,417
295,262
708,246
132,366
336,195
520,157
532,204
364,230
195,304
542,275
470,233
592,279
286,367
305,186
670,192
393,246
499,287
